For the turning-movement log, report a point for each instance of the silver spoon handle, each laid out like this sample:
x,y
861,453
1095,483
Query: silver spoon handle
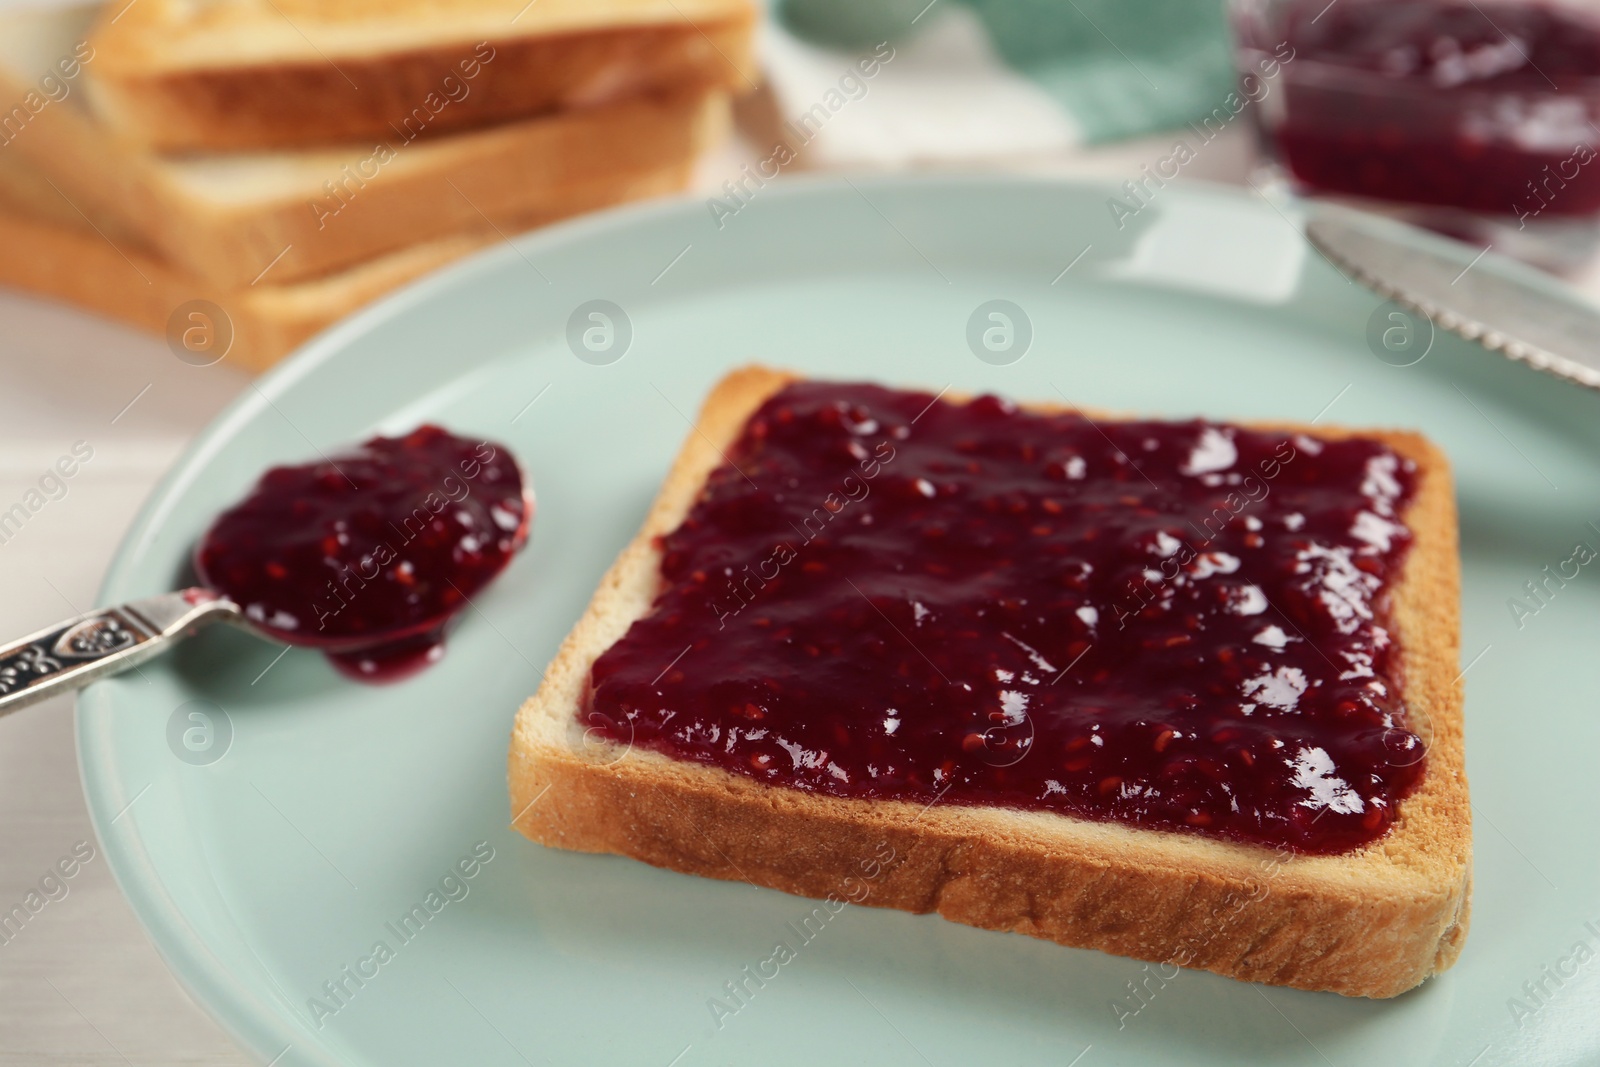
x,y
71,654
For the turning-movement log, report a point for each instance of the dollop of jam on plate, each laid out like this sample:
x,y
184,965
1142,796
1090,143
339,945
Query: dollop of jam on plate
x,y
1178,625
368,555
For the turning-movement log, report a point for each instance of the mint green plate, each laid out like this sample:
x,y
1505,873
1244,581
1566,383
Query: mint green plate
x,y
335,809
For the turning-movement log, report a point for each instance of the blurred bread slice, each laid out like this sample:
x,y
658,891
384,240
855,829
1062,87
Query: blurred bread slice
x,y
233,74
49,247
285,216
53,251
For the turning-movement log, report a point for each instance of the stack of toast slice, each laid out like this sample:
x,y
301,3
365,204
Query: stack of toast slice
x,y
159,153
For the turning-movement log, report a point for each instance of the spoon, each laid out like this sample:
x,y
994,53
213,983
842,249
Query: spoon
x,y
387,543
71,654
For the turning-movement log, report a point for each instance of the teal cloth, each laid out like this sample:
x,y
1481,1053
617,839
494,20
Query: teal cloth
x,y
1119,67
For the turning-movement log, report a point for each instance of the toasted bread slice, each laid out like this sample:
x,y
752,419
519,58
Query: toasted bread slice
x,y
252,74
52,249
1372,922
279,217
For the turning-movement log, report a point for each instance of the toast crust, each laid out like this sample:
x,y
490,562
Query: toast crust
x,y
63,259
56,252
151,95
1373,922
308,213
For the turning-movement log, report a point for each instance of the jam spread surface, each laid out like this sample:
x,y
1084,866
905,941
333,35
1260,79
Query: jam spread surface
x,y
369,554
1178,625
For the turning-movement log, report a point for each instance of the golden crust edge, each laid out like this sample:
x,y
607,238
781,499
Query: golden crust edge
x,y
294,102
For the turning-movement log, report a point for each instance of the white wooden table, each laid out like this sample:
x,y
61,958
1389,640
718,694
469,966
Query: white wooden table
x,y
80,983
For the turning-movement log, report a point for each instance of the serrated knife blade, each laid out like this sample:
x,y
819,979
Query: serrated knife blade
x,y
1523,319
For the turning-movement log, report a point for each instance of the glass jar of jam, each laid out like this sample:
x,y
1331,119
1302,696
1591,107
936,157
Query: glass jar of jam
x,y
1479,116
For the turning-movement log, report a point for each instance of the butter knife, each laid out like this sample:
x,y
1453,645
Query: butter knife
x,y
1504,306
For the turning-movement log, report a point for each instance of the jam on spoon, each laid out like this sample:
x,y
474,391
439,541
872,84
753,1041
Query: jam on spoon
x,y
368,555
